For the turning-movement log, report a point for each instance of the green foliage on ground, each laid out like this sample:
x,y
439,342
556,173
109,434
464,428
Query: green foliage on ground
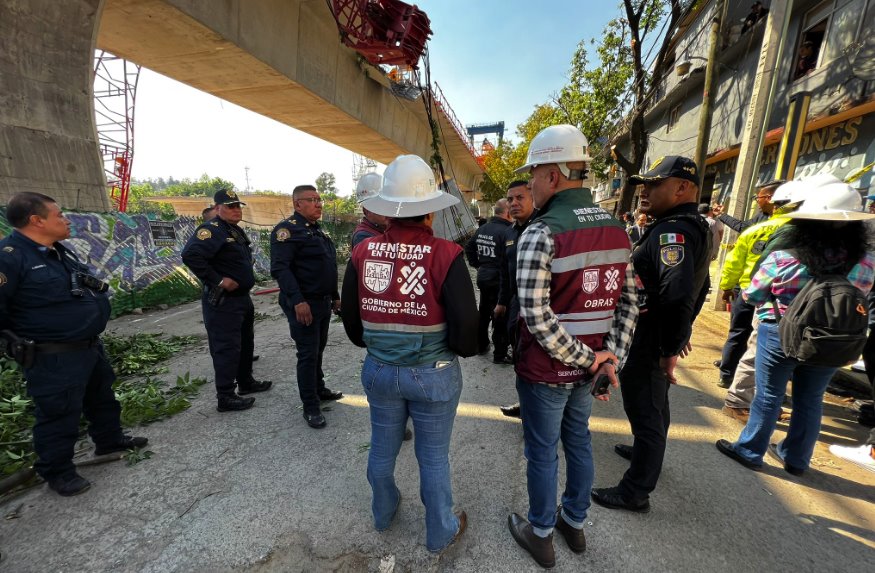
x,y
149,400
139,354
16,419
144,399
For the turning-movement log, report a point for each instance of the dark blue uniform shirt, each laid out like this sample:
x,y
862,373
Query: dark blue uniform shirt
x,y
219,249
36,301
482,250
671,259
303,260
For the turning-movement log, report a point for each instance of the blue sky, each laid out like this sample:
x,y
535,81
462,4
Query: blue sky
x,y
494,59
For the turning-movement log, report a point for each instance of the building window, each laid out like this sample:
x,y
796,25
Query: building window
x,y
673,117
825,31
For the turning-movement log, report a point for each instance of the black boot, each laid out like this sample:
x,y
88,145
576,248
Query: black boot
x,y
253,386
125,443
232,402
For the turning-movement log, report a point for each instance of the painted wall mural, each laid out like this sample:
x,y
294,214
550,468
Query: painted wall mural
x,y
140,258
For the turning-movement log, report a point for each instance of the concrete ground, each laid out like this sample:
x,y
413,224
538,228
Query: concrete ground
x,y
260,491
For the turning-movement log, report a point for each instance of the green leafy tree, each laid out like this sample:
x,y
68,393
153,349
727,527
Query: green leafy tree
x,y
326,184
501,162
339,205
651,24
205,186
137,203
593,98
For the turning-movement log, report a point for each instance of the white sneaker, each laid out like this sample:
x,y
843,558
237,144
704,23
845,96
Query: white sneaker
x,y
860,455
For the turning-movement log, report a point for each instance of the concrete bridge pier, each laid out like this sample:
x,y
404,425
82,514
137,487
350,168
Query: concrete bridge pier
x,y
48,138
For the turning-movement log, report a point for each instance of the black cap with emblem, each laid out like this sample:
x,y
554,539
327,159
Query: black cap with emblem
x,y
227,197
669,166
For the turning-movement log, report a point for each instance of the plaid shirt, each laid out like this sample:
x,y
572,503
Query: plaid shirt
x,y
781,273
535,253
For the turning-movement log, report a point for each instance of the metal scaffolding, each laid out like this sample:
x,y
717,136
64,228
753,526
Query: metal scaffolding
x,y
115,90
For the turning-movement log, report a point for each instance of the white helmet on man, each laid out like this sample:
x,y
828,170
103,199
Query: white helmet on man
x,y
368,186
789,196
408,190
559,144
828,198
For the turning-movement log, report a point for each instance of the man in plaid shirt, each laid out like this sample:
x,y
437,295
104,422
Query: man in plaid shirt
x,y
578,308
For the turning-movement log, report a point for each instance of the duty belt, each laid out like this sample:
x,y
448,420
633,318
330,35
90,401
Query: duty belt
x,y
66,346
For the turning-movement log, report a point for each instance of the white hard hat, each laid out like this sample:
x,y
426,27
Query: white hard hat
x,y
790,195
559,144
408,190
368,186
828,198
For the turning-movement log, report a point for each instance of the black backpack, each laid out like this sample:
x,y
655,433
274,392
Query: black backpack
x,y
826,324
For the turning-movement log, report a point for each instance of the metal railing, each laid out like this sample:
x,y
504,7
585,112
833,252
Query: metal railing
x,y
440,101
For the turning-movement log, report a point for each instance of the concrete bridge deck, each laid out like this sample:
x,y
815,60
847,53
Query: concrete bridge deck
x,y
279,58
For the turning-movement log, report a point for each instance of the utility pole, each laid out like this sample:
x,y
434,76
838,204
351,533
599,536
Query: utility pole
x,y
761,100
707,112
797,115
247,178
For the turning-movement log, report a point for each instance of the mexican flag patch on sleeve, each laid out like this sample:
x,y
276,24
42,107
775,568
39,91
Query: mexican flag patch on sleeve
x,y
671,239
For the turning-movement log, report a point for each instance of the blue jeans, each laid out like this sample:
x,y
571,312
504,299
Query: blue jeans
x,y
550,413
773,370
429,396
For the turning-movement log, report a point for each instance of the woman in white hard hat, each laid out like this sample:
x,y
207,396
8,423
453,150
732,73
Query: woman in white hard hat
x,y
827,236
408,298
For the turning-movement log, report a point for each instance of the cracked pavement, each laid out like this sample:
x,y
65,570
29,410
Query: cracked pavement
x,y
260,491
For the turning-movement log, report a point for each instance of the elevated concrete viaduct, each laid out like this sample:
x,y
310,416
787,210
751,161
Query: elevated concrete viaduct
x,y
279,58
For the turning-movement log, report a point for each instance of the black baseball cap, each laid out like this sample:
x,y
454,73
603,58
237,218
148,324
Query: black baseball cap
x,y
227,197
669,166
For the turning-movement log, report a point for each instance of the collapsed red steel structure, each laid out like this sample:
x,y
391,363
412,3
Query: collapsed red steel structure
x,y
383,31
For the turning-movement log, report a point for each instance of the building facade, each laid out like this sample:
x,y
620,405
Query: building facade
x,y
829,52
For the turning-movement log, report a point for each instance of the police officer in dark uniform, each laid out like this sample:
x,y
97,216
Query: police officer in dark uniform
x,y
303,260
671,259
52,311
522,211
220,255
481,251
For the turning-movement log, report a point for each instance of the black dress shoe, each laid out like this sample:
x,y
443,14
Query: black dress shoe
x,y
233,402
325,395
502,360
726,449
315,420
253,386
540,548
512,411
574,537
716,363
611,498
773,452
623,451
69,485
126,443
724,382
255,357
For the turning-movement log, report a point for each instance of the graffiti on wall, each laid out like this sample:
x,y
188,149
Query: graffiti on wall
x,y
121,249
122,246
141,258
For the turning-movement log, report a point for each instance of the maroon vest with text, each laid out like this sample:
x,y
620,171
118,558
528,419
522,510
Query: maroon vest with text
x,y
401,274
591,252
